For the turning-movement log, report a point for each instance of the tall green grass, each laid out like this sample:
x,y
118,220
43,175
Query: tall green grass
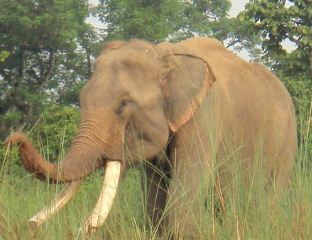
x,y
251,213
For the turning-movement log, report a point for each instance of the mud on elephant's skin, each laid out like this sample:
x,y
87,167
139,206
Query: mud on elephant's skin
x,y
157,103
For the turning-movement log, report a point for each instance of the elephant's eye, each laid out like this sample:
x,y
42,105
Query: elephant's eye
x,y
123,103
122,106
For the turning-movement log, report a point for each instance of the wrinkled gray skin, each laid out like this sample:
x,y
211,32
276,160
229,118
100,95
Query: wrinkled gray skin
x,y
183,108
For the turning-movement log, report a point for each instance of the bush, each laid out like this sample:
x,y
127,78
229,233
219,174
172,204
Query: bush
x,y
300,88
55,130
51,135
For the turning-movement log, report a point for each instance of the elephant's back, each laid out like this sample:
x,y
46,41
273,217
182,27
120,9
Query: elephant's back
x,y
250,96
253,106
283,111
248,88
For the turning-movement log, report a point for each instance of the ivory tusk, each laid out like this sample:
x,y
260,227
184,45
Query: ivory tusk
x,y
56,204
106,198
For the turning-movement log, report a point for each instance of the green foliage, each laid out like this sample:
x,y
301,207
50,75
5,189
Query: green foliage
x,y
4,55
55,129
47,57
41,24
150,20
51,135
204,17
160,20
278,21
175,20
300,89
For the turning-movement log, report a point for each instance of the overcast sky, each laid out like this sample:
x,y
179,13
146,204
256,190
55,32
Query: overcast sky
x,y
237,6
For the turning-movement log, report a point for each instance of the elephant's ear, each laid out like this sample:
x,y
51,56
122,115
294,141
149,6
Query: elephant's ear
x,y
186,80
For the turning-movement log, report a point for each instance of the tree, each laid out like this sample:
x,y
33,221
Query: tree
x,y
174,20
41,37
204,18
277,21
159,20
57,126
150,20
75,67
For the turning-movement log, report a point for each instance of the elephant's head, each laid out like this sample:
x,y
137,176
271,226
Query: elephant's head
x,y
137,95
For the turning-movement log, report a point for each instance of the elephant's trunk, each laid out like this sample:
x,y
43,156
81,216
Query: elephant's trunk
x,y
97,139
84,155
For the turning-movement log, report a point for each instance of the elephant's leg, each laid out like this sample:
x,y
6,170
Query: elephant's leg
x,y
187,196
193,173
156,189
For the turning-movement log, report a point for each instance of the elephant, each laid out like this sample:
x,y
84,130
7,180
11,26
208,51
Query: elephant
x,y
175,107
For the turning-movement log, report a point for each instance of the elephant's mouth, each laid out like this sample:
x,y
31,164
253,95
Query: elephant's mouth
x,y
102,207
